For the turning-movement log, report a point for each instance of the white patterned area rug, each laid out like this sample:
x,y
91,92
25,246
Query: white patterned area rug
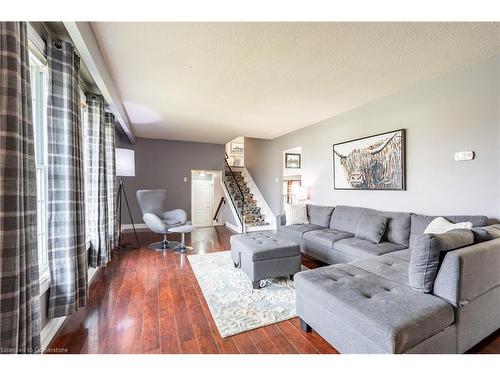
x,y
234,305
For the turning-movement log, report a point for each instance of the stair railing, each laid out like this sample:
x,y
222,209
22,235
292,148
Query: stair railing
x,y
216,216
239,192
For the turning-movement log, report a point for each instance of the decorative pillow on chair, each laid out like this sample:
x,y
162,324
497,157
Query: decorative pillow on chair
x,y
296,214
371,228
427,251
440,225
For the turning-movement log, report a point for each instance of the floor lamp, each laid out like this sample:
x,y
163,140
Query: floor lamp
x,y
125,167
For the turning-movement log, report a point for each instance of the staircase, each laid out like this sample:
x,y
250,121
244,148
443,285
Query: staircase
x,y
248,211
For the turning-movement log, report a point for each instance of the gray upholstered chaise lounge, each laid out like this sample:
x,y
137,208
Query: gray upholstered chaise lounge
x,y
363,302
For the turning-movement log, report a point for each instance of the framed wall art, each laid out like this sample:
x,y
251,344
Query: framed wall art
x,y
376,162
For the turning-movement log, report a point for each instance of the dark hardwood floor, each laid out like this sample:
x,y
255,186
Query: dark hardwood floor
x,y
150,302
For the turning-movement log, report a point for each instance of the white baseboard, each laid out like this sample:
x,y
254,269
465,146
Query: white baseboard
x,y
52,326
258,228
142,226
236,228
137,226
50,330
91,274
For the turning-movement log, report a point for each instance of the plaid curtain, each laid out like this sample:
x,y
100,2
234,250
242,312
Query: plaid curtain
x,y
65,205
99,181
110,145
19,287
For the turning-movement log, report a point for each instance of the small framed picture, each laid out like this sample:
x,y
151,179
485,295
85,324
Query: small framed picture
x,y
236,148
292,161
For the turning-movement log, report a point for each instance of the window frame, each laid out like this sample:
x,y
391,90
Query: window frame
x,y
39,94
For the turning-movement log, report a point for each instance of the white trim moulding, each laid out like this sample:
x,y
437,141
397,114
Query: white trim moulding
x,y
51,328
88,48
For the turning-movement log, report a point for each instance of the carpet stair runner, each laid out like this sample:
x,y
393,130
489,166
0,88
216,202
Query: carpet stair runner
x,y
252,213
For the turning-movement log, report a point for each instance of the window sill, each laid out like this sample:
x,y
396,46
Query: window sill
x,y
44,282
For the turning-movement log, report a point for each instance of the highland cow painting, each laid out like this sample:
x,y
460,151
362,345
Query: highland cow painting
x,y
371,163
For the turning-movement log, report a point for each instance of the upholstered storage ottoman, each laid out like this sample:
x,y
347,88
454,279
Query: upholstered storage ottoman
x,y
262,255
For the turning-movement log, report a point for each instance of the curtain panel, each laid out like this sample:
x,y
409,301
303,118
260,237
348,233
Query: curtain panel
x,y
100,181
19,278
110,146
66,201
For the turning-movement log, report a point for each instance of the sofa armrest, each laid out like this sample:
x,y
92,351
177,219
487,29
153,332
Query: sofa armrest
x,y
280,220
469,272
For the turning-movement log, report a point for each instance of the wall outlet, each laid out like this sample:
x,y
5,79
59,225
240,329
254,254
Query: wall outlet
x,y
185,179
464,155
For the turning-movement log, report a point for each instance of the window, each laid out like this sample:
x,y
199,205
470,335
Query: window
x,y
289,191
38,75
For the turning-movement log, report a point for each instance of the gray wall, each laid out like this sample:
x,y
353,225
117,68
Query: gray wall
x,y
456,112
163,164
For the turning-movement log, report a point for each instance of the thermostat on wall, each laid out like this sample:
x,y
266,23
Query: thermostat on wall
x,y
464,155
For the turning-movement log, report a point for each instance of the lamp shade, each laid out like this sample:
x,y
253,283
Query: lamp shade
x,y
125,162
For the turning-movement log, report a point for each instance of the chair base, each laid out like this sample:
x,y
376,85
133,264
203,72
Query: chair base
x,y
182,249
164,245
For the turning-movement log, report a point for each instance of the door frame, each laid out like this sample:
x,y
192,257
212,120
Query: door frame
x,y
212,193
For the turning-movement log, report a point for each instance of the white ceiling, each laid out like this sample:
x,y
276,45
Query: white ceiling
x,y
211,82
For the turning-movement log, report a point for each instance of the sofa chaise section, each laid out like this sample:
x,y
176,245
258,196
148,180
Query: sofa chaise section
x,y
351,305
360,312
363,302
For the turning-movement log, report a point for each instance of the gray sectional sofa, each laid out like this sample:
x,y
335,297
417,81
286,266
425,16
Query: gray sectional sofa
x,y
363,302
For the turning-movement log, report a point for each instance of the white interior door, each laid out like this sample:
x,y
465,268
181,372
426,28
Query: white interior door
x,y
201,203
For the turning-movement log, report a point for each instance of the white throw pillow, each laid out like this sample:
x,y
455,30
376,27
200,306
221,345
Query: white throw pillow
x,y
296,214
440,225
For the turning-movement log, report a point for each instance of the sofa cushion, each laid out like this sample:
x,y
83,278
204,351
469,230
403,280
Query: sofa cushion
x,y
361,249
420,222
403,255
398,227
319,215
391,266
371,228
391,315
483,234
346,218
426,252
296,231
326,237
